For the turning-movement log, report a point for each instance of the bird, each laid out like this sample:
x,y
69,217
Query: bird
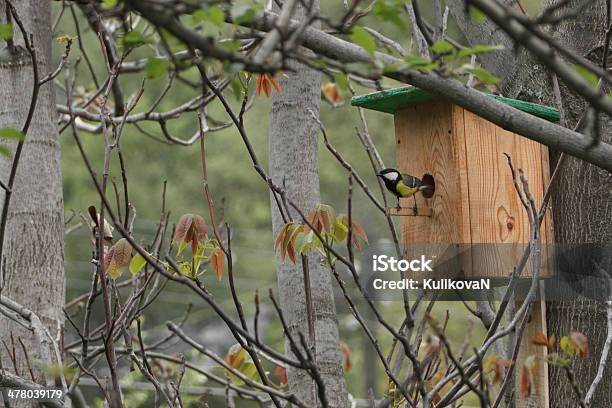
x,y
405,185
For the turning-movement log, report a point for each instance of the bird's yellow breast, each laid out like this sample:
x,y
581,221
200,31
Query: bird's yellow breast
x,y
404,190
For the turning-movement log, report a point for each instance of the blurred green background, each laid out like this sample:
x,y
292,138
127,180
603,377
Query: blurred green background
x,y
242,195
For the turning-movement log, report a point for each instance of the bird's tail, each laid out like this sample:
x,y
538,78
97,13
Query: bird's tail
x,y
428,186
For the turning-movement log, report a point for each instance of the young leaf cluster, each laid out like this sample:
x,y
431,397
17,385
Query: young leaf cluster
x,y
191,231
323,223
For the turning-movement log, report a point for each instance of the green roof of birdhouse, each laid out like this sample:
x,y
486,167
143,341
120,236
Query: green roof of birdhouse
x,y
391,100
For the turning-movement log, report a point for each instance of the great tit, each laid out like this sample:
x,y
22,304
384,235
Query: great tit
x,y
405,185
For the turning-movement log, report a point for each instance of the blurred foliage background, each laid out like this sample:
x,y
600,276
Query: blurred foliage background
x,y
240,193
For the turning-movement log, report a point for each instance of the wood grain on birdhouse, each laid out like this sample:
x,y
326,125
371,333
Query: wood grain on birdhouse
x,y
475,204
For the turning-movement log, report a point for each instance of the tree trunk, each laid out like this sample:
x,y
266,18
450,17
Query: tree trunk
x,y
293,146
33,255
581,197
582,213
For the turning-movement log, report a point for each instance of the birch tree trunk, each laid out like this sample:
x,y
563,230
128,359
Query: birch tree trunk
x,y
583,193
33,255
293,146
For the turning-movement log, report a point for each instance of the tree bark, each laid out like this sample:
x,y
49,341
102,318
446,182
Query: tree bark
x,y
293,147
581,197
582,213
33,256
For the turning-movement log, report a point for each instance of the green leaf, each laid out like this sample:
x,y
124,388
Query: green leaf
x,y
482,74
65,39
5,151
443,47
390,11
156,67
590,77
477,15
420,63
479,49
6,31
214,15
245,13
393,67
108,4
342,81
137,263
231,45
134,39
567,346
361,37
181,247
340,230
241,361
11,133
237,87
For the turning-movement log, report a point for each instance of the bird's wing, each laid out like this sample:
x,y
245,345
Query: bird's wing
x,y
411,181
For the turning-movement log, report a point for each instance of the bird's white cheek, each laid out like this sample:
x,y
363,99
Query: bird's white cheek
x,y
390,177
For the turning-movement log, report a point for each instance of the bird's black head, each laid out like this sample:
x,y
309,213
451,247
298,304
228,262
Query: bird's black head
x,y
390,177
389,174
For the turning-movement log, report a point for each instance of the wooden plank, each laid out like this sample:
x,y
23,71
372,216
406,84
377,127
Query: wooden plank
x,y
496,212
463,169
426,143
464,220
487,198
423,209
498,217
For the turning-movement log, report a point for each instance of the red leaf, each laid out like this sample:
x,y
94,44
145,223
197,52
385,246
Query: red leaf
x,y
259,86
199,228
122,253
108,258
581,342
525,383
117,257
347,363
183,228
216,260
235,356
332,93
275,83
500,369
280,237
325,219
313,219
291,253
265,82
282,373
359,232
540,339
433,345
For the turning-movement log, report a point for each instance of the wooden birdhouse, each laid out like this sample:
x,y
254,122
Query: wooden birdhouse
x,y
475,205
